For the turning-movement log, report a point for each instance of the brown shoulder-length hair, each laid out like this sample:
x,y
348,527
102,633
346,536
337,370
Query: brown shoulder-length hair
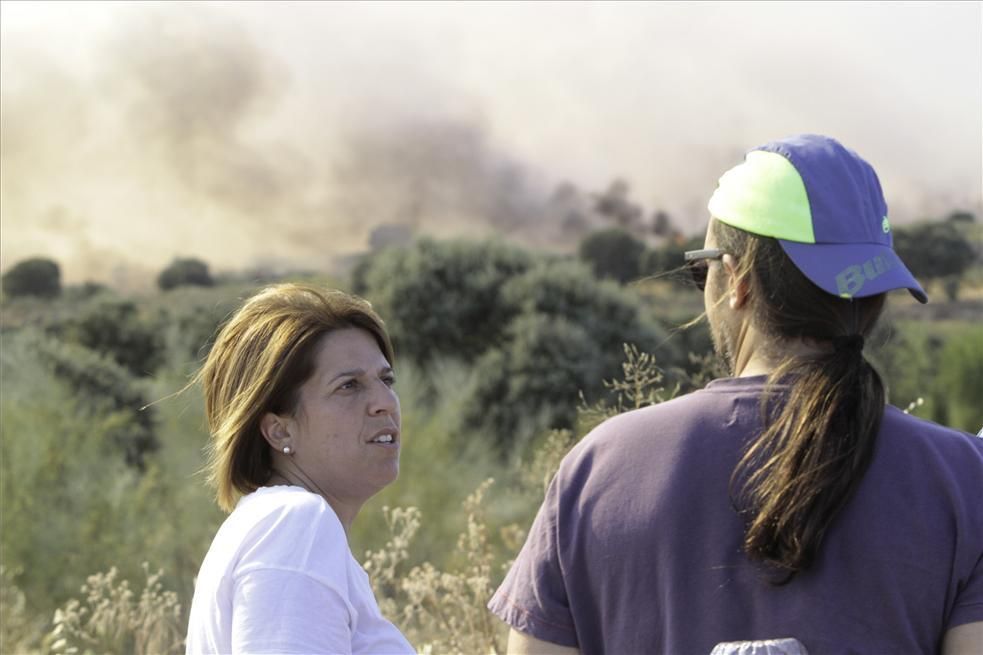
x,y
815,448
261,357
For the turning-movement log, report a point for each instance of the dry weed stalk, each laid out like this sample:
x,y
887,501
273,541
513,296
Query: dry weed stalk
x,y
383,566
914,404
640,387
111,620
441,611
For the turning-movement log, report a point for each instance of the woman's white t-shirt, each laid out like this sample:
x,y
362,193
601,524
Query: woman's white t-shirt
x,y
279,578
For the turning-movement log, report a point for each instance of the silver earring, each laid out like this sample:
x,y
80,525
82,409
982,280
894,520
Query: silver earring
x,y
287,450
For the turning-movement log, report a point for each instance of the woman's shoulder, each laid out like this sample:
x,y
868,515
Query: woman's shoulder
x,y
289,527
283,504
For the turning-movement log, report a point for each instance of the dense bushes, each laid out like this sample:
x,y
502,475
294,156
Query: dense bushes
x,y
937,250
37,276
114,328
442,298
103,391
939,363
538,333
532,383
609,314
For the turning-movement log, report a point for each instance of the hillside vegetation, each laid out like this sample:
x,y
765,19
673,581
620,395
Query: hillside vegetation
x,y
505,358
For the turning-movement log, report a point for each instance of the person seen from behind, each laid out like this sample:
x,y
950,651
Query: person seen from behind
x,y
305,428
785,509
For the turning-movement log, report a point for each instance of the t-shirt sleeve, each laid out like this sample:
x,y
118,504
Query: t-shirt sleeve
x,y
533,598
281,611
969,602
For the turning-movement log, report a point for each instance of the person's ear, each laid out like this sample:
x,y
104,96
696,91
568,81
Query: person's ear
x,y
738,287
275,430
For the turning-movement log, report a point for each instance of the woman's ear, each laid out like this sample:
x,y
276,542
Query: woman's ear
x,y
738,287
275,430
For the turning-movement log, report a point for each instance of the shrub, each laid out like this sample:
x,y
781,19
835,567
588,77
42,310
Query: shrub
x,y
608,313
612,253
532,382
566,337
37,276
938,364
106,393
185,272
935,250
113,328
442,297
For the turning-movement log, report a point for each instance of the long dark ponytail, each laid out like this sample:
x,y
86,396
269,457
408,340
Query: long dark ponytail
x,y
816,445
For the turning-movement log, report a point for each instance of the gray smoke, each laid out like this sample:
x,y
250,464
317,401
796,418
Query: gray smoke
x,y
183,133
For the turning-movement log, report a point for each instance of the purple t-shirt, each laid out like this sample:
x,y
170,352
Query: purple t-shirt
x,y
637,548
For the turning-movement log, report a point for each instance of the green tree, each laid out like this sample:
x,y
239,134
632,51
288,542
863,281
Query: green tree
x,y
566,338
185,272
442,298
37,276
962,217
936,250
612,253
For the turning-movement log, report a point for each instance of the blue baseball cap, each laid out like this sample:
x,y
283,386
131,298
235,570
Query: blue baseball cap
x,y
824,205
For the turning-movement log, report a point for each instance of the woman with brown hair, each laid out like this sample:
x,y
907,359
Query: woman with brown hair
x,y
786,509
305,427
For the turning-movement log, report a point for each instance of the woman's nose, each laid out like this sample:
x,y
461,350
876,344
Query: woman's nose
x,y
384,400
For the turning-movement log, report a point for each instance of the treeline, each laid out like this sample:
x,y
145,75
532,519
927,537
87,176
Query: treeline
x,y
41,277
934,250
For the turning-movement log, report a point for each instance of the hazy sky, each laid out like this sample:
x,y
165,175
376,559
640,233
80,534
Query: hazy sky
x,y
283,133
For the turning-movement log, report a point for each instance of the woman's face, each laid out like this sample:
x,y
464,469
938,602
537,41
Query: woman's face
x,y
345,430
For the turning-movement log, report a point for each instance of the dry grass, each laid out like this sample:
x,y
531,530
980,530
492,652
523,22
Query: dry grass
x,y
18,629
441,611
111,618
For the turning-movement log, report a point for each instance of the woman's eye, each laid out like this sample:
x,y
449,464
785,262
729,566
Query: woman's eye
x,y
390,380
350,384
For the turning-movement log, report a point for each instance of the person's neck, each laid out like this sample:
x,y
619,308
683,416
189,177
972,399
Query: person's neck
x,y
761,354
